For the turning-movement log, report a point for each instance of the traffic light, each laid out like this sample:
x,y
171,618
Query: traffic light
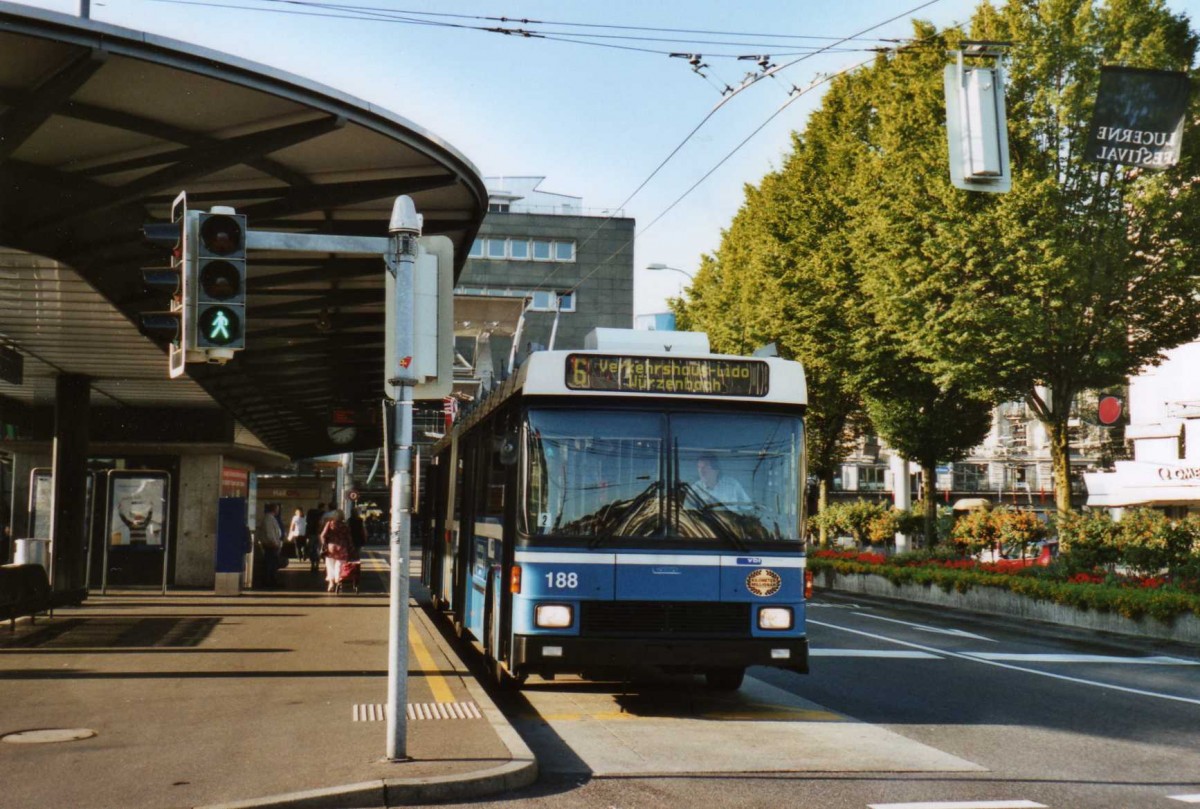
x,y
976,120
172,324
215,274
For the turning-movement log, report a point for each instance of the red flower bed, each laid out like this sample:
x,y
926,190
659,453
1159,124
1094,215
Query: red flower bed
x,y
1003,567
866,557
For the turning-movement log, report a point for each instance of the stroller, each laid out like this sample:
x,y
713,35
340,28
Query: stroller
x,y
351,572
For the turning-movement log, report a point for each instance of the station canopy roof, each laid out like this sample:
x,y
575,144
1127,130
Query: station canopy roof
x,y
101,127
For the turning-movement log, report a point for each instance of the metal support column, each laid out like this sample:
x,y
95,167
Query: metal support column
x,y
68,525
404,228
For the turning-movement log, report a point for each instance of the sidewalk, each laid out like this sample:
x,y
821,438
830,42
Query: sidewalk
x,y
260,700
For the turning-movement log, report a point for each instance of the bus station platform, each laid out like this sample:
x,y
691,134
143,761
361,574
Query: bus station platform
x,y
266,699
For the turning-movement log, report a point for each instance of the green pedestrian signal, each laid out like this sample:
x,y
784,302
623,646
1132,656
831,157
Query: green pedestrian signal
x,y
219,326
220,282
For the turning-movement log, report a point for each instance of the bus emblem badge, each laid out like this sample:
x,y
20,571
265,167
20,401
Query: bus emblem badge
x,y
763,582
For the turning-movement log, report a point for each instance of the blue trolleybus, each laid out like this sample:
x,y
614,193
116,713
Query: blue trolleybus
x,y
636,504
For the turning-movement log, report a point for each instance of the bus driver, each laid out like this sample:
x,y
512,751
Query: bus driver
x,y
714,487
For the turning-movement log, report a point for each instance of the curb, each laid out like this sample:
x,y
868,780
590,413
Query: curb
x,y
999,603
521,771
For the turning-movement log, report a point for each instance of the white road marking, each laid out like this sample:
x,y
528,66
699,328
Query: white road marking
x,y
1069,658
998,664
958,633
961,804
1185,798
878,653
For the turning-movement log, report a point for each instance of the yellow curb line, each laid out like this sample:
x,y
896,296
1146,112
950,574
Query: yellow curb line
x,y
437,683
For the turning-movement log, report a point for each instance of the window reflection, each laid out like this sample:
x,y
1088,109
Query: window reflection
x,y
604,474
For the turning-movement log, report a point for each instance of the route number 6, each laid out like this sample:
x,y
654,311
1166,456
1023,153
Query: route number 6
x,y
562,581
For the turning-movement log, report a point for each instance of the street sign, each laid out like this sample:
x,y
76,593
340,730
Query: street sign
x,y
1109,410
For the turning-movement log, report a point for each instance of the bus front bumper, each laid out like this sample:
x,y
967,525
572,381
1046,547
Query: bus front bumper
x,y
559,654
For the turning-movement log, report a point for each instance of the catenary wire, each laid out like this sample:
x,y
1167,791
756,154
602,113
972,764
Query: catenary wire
x,y
369,15
723,160
375,14
750,82
607,26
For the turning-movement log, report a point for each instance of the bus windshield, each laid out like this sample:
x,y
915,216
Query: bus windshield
x,y
706,476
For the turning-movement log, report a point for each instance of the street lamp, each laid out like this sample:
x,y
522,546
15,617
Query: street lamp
x,y
658,266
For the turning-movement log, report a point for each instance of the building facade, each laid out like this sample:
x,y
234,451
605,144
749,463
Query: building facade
x,y
1012,466
1164,428
569,269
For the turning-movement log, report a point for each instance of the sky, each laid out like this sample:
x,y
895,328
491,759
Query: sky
x,y
595,106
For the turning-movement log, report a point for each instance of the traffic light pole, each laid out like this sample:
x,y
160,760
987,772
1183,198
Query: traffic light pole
x,y
404,228
399,251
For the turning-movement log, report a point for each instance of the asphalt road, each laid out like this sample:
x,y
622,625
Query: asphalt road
x,y
904,707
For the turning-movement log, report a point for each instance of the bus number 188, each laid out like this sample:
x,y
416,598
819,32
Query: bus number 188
x,y
562,581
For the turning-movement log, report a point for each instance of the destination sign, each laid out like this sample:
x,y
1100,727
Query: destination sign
x,y
705,377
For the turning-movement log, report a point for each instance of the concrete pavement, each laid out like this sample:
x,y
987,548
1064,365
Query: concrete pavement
x,y
268,699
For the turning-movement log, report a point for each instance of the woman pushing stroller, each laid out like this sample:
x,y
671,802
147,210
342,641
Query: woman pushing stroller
x,y
338,549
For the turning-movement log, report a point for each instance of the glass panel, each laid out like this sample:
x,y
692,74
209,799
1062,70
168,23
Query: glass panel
x,y
541,250
543,301
518,248
495,248
598,475
970,477
476,249
870,479
566,302
595,474
739,476
564,251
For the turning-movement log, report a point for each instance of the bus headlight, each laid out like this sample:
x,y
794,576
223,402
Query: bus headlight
x,y
553,616
775,618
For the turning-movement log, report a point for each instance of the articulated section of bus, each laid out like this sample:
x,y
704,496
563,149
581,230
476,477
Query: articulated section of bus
x,y
600,534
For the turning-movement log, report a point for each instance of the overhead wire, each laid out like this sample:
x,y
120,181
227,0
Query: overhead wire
x,y
748,83
369,13
793,97
607,26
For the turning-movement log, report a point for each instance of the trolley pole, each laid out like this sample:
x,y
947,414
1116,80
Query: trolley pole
x,y
404,229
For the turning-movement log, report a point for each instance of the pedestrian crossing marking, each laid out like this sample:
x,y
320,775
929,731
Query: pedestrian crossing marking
x,y
890,654
377,712
754,712
961,804
1083,658
1185,798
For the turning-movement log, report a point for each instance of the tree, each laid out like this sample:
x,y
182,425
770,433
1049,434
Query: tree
x,y
919,419
1079,276
782,274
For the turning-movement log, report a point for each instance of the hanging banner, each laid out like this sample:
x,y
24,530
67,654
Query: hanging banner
x,y
1138,120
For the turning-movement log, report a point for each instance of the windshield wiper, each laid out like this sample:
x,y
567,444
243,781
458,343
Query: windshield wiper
x,y
706,512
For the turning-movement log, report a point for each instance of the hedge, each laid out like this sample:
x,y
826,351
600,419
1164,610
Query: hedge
x,y
1132,598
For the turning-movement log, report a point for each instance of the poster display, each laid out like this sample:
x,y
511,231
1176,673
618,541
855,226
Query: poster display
x,y
137,508
136,528
41,502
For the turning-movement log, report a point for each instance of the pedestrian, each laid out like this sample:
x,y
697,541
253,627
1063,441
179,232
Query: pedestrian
x,y
271,541
358,531
297,531
312,524
337,547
